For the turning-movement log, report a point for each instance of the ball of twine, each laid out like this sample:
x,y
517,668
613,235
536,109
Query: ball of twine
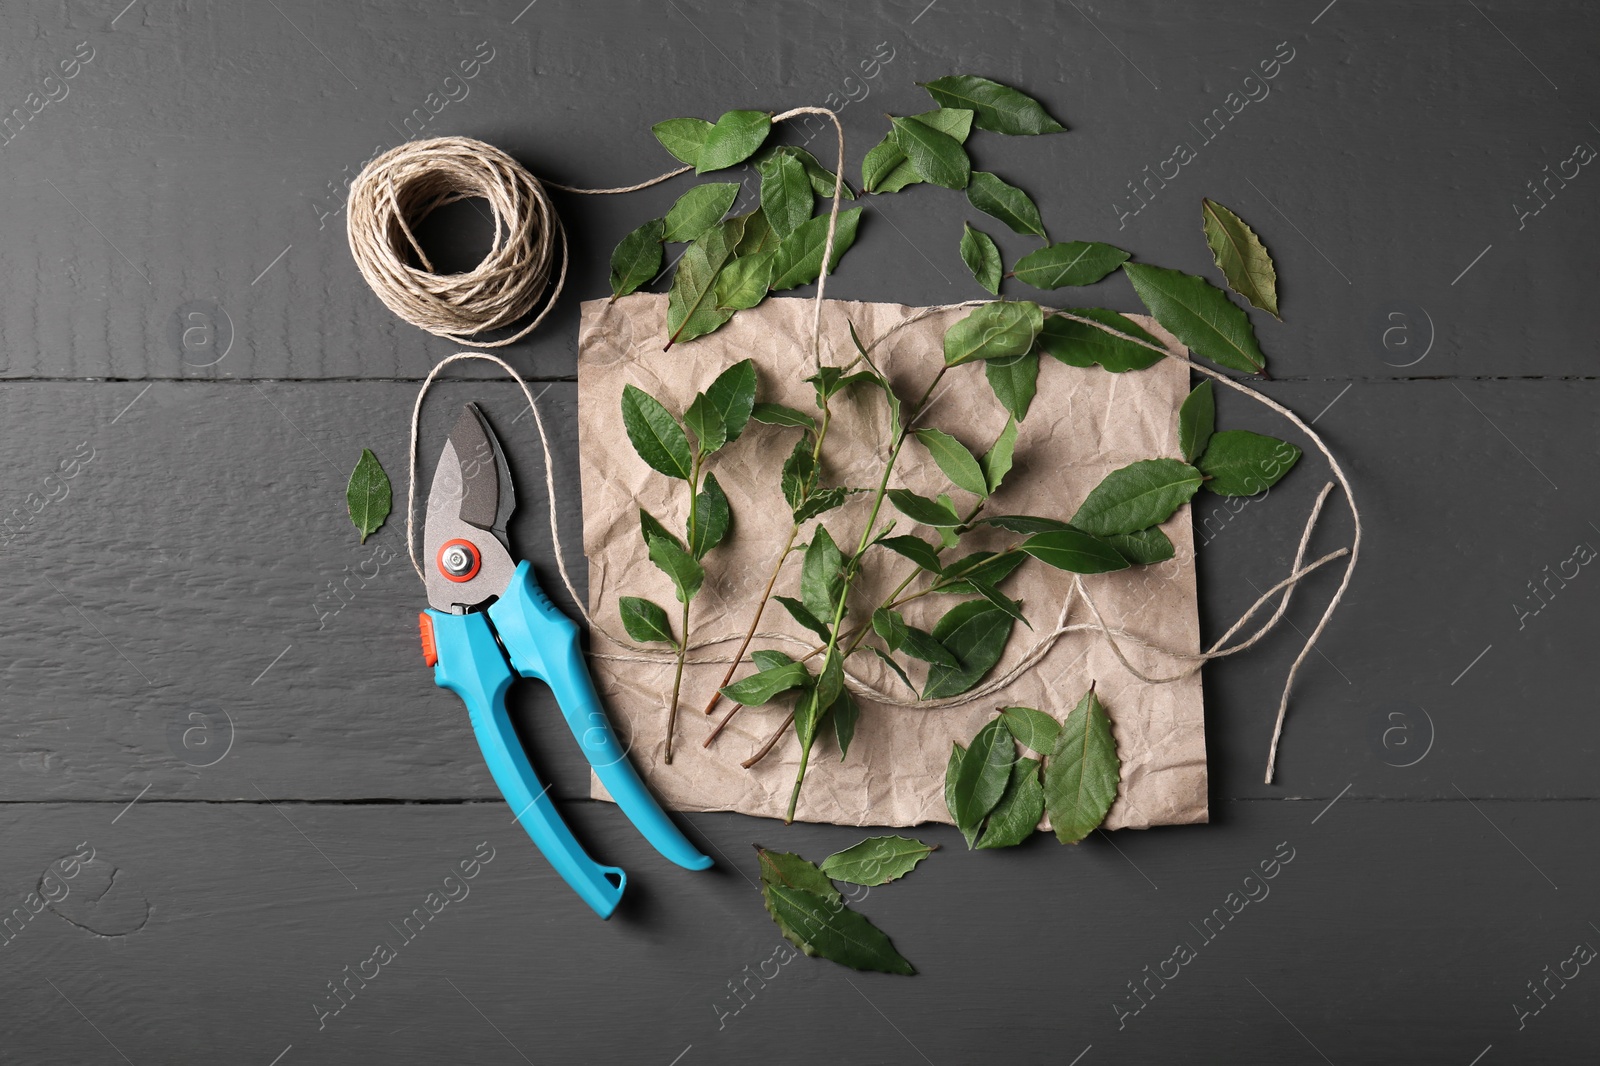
x,y
397,190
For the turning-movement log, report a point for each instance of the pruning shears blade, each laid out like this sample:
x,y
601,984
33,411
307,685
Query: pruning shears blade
x,y
470,502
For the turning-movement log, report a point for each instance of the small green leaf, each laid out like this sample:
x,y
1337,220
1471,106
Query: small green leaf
x,y
1080,778
888,166
734,138
1240,463
655,434
776,414
683,137
1137,496
876,860
1241,256
1200,315
786,197
919,644
799,613
981,255
798,260
712,516
368,496
916,549
821,501
732,397
821,576
767,659
1117,350
1074,551
756,236
890,626
985,769
692,309
1015,381
822,179
1069,263
997,108
645,621
844,713
815,703
1197,420
881,161
952,773
996,330
799,474
1033,729
1023,523
743,282
975,632
958,464
993,196
687,575
1017,815
791,871
987,567
899,670
1000,600
762,687
832,931
699,209
997,461
637,258
921,509
1142,548
936,156
652,529
706,424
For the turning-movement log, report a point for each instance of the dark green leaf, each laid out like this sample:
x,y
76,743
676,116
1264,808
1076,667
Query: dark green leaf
x,y
1023,523
876,860
756,236
683,137
734,138
367,495
799,613
655,434
732,397
1033,729
889,168
762,687
997,462
829,687
1200,315
822,179
991,195
799,474
1069,263
652,529
1137,496
767,659
637,258
743,282
899,670
692,309
1079,344
1080,779
1197,420
988,567
845,713
916,549
1017,815
1241,256
936,156
919,644
985,769
996,330
832,380
776,414
975,632
712,517
1240,463
881,161
921,509
1074,551
686,574
831,931
786,198
644,621
891,626
798,260
997,108
791,871
821,576
699,209
821,501
999,599
979,252
1144,547
952,773
1015,381
958,464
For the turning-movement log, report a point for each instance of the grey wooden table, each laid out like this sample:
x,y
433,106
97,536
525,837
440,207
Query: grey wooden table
x,y
220,737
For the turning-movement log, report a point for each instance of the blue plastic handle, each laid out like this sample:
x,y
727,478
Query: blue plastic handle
x,y
471,665
543,643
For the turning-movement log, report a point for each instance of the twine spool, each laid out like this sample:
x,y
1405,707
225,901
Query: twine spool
x,y
396,191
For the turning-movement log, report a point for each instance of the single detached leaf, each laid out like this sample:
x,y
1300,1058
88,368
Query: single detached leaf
x,y
670,557
1240,463
995,107
1033,729
997,462
952,773
881,161
743,282
876,860
1017,815
645,621
791,871
786,198
1080,778
776,414
1116,348
1014,380
921,509
699,209
993,196
1241,256
1200,315
368,495
798,260
821,576
799,613
655,434
831,931
1137,496
683,137
889,168
996,330
937,156
712,516
979,252
1144,547
692,309
916,549
734,138
1075,552
637,258
958,464
975,632
1069,263
985,769
1197,420
762,687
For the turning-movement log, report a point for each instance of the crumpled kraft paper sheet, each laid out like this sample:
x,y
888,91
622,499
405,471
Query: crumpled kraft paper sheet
x,y
1083,424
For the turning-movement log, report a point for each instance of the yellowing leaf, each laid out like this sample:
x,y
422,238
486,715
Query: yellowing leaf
x,y
1241,256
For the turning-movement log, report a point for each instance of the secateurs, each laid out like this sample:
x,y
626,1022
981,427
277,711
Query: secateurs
x,y
488,621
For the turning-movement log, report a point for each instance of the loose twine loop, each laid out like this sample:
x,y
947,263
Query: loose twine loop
x,y
403,186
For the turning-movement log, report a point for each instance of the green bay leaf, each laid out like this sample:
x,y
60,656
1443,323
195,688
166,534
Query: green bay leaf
x,y
934,513
997,461
985,769
832,931
1015,381
1237,462
798,260
698,210
789,870
368,496
712,517
765,685
1068,263
876,860
1017,815
1080,778
953,458
821,575
1200,315
786,197
995,107
1197,420
644,620
655,434
982,257
1241,256
1137,496
996,330
1033,729
936,156
993,196
733,139
637,258
1074,551
975,632
1144,547
1117,347
683,137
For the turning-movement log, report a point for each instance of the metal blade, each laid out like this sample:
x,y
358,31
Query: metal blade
x,y
487,496
470,500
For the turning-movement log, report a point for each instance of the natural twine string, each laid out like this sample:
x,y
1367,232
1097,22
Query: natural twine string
x,y
400,188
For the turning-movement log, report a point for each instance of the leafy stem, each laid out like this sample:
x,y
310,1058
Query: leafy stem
x,y
683,616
